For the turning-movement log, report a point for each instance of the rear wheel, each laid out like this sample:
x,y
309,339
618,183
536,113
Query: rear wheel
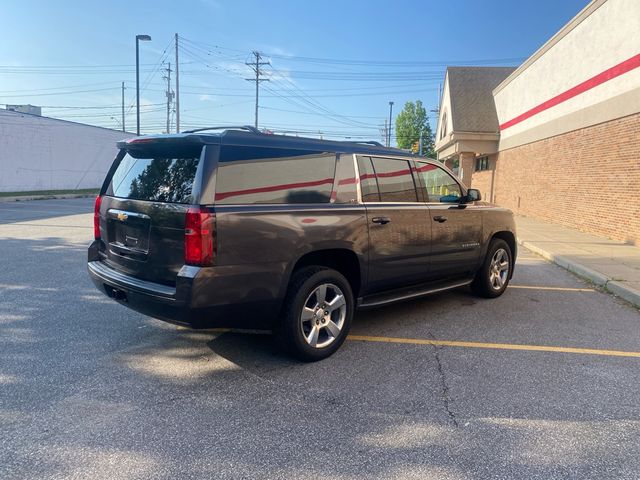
x,y
317,313
493,277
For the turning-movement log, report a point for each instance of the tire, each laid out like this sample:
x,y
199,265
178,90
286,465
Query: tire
x,y
306,331
493,277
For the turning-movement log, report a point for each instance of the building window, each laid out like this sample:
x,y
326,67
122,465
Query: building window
x,y
443,125
482,163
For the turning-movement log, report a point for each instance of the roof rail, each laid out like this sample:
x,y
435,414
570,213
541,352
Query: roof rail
x,y
370,142
248,128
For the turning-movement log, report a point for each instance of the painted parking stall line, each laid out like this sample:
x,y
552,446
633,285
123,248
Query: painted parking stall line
x,y
495,346
443,343
552,289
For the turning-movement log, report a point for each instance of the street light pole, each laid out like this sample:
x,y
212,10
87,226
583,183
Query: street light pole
x,y
389,132
123,126
144,38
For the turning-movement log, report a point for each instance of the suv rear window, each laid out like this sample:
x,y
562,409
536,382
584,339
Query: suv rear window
x,y
155,177
253,175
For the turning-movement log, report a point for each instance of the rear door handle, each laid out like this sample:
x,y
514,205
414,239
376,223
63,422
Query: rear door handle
x,y
381,220
440,218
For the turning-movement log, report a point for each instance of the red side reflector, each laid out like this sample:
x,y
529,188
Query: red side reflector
x,y
199,233
96,218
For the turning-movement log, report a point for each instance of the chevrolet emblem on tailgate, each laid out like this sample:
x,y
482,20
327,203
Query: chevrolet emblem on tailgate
x,y
122,216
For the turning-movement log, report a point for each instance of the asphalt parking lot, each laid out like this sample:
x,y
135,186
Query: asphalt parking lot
x,y
449,387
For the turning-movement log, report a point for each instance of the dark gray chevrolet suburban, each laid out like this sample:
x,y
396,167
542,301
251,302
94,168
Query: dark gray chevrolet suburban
x,y
237,228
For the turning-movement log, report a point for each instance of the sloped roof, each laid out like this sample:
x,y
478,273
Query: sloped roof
x,y
470,90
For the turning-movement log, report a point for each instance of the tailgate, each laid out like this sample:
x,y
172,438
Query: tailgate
x,y
143,210
144,239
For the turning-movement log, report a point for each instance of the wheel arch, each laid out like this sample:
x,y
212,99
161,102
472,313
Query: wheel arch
x,y
342,260
510,238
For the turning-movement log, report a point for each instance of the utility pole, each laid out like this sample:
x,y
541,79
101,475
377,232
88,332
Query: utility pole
x,y
420,144
385,132
123,127
177,89
170,95
389,131
256,68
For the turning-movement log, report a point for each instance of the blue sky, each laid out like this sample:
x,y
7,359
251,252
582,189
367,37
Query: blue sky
x,y
335,65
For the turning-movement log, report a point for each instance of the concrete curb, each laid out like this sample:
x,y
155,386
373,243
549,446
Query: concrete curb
x,y
618,288
26,198
631,295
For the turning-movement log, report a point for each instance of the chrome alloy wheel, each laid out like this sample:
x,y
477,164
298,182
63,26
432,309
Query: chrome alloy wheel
x,y
323,315
499,269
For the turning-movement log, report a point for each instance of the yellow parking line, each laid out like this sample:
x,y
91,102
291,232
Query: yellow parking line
x,y
559,289
450,343
500,346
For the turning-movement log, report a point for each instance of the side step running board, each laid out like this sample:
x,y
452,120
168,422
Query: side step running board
x,y
407,294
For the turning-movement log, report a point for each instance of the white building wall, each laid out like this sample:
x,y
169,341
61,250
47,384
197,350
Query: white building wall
x,y
604,34
40,153
444,115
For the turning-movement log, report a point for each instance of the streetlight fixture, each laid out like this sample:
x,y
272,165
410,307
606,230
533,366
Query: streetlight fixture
x,y
139,38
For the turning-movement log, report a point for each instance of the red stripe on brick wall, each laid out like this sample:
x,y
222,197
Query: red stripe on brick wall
x,y
613,72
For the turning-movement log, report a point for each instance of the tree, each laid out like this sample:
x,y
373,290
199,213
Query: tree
x,y
410,122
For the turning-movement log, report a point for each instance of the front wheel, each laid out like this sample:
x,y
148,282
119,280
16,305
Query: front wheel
x,y
317,313
493,277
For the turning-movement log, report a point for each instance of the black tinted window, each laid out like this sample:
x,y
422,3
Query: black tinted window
x,y
368,184
254,175
395,181
156,179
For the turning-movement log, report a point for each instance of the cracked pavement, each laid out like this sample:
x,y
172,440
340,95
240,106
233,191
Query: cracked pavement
x,y
89,389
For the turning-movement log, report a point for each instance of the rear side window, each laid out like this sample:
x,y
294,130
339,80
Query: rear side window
x,y
395,180
250,175
155,177
368,184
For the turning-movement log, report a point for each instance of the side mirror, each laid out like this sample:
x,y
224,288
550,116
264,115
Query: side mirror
x,y
473,195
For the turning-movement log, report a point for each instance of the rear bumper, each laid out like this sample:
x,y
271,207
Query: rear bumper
x,y
202,298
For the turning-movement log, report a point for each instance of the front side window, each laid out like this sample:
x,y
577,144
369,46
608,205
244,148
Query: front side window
x,y
395,180
438,185
250,175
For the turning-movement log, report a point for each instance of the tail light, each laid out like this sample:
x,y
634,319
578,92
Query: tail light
x,y
96,218
199,237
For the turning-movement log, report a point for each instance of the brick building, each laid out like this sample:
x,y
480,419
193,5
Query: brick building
x,y
557,138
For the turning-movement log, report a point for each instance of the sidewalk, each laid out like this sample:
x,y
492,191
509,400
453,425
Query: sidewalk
x,y
610,264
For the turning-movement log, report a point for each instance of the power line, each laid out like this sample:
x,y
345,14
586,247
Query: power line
x,y
63,93
85,107
378,63
314,113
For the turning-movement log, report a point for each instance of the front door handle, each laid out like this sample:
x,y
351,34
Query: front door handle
x,y
440,218
381,220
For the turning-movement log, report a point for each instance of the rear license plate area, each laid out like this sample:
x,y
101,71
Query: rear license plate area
x,y
129,233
